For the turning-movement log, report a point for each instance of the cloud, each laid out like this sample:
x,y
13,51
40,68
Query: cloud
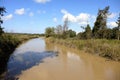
x,y
112,24
31,14
82,18
64,11
70,17
41,11
112,15
55,19
20,11
8,17
42,1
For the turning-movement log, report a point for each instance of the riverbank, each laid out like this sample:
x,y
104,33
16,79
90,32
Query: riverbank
x,y
8,43
102,47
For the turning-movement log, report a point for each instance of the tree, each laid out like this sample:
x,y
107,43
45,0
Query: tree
x,y
2,11
71,33
114,33
59,29
100,23
65,29
118,27
49,31
65,26
88,32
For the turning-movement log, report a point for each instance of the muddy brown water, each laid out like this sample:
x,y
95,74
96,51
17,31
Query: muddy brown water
x,y
38,60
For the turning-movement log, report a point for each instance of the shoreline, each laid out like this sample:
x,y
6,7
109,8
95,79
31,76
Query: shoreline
x,y
8,43
104,48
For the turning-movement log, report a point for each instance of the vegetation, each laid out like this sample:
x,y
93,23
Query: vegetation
x,y
102,47
99,29
100,40
8,42
2,11
118,28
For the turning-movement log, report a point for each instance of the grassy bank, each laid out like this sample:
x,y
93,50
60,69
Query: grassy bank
x,y
8,43
106,48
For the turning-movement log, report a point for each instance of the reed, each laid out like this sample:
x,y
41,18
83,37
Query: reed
x,y
106,48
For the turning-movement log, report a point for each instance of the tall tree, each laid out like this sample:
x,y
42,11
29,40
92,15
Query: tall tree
x,y
2,11
65,26
65,29
118,27
100,23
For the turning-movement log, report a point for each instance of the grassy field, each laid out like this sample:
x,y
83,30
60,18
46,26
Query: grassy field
x,y
106,48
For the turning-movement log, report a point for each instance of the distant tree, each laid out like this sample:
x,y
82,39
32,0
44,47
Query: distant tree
x,y
65,26
118,27
109,33
65,29
59,29
2,11
80,35
100,23
71,33
88,32
114,33
49,31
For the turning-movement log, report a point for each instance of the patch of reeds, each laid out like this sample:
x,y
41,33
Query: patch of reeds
x,y
102,47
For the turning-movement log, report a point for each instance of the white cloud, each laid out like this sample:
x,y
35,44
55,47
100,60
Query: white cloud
x,y
112,15
20,11
70,17
42,1
112,24
82,18
55,19
8,17
31,14
64,11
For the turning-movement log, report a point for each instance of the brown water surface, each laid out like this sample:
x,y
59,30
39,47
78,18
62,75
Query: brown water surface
x,y
71,64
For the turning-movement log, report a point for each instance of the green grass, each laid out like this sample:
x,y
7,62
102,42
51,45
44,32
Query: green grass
x,y
106,48
10,41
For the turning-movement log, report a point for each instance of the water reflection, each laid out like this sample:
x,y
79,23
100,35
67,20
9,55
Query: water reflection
x,y
73,56
20,62
70,64
26,56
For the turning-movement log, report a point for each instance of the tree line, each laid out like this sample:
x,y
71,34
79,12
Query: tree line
x,y
2,11
99,30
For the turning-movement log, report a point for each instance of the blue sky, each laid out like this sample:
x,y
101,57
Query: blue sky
x,y
33,16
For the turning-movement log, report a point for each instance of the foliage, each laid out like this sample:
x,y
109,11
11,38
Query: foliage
x,y
99,31
102,47
100,27
71,33
49,31
2,11
118,27
88,32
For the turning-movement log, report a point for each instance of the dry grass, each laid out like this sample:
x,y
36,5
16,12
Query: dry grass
x,y
102,47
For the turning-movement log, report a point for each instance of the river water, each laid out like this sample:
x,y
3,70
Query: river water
x,y
38,60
